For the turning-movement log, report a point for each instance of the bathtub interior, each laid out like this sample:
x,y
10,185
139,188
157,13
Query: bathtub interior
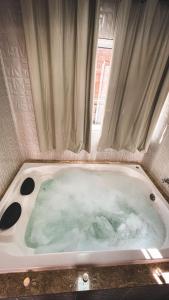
x,y
12,240
92,210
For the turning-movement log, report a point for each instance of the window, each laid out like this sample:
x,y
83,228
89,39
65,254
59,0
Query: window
x,y
102,73
107,21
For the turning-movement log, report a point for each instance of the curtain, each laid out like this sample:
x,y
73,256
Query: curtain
x,y
139,79
61,38
107,20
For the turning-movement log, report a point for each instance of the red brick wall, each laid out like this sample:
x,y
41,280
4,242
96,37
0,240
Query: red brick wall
x,y
103,56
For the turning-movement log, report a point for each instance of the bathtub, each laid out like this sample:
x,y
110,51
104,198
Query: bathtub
x,y
16,256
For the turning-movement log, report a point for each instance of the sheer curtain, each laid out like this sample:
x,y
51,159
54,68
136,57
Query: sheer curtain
x,y
61,38
139,79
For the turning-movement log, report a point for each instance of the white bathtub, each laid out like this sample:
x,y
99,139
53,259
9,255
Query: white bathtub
x,y
16,256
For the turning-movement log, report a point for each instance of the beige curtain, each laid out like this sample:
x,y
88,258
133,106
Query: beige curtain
x,y
61,38
139,79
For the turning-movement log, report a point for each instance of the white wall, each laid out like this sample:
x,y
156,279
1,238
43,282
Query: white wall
x,y
156,160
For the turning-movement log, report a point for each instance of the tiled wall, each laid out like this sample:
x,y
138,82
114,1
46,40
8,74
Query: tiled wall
x,y
12,46
10,155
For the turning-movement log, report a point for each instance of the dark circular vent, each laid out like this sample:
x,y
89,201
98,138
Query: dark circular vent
x,y
152,197
10,216
27,186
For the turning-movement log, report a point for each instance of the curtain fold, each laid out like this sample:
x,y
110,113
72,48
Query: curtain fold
x,y
138,82
61,39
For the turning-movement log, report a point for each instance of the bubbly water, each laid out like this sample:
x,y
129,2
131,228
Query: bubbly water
x,y
83,210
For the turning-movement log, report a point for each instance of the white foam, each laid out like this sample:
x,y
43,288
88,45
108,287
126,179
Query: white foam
x,y
92,210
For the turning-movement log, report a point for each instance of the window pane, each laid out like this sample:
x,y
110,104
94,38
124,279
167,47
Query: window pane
x,y
103,63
